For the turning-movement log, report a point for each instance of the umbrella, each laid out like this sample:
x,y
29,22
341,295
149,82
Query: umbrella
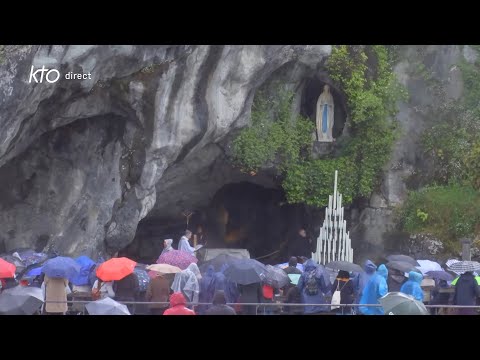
x,y
36,261
86,266
344,265
464,266
428,265
164,268
106,306
177,258
403,258
276,277
449,263
440,275
30,257
13,260
7,270
397,303
246,271
402,266
143,278
218,261
61,267
35,272
115,269
21,300
294,278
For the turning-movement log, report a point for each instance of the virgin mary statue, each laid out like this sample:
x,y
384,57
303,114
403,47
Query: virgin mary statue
x,y
324,119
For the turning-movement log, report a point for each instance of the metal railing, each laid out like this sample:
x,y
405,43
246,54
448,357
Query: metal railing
x,y
260,308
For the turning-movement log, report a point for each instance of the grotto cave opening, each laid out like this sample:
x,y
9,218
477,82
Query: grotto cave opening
x,y
240,215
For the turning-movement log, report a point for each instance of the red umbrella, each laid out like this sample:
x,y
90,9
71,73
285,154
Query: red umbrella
x,y
115,269
177,258
7,270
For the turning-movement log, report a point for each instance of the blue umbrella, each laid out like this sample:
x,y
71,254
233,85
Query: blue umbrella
x,y
61,267
86,266
35,272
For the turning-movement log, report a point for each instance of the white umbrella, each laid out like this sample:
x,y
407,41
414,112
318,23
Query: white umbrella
x,y
107,306
428,265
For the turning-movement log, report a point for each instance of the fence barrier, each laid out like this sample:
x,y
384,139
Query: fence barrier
x,y
133,305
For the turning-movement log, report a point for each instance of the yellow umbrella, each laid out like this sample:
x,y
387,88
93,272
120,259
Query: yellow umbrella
x,y
164,268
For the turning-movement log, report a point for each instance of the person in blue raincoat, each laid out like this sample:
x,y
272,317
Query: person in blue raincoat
x,y
207,289
312,287
362,279
412,286
374,290
220,282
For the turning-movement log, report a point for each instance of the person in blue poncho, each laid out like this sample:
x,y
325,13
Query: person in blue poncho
x,y
412,286
374,290
207,289
312,287
362,279
220,282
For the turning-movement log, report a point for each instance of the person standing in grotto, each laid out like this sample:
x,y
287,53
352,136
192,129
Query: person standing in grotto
x,y
300,246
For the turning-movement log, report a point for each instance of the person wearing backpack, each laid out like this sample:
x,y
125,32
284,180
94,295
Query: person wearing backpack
x,y
268,294
312,288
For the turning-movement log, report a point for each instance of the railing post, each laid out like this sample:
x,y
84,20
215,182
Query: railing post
x,y
466,251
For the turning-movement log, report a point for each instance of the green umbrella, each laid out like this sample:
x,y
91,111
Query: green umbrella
x,y
397,303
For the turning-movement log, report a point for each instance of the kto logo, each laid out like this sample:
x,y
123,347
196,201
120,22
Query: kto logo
x,y
51,75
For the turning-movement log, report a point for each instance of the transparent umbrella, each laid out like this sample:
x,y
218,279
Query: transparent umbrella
x,y
20,300
107,306
397,303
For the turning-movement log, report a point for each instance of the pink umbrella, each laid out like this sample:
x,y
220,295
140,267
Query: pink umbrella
x,y
177,258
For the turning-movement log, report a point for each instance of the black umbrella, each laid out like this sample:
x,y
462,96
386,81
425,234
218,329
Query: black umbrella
x,y
246,271
440,275
402,266
276,277
403,258
218,261
20,300
344,265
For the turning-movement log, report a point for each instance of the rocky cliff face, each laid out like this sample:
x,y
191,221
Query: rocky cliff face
x,y
432,77
83,161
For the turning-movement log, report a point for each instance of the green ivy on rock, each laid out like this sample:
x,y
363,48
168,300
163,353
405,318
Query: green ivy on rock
x,y
274,136
447,212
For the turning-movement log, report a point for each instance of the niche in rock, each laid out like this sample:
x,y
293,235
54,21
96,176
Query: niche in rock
x,y
312,89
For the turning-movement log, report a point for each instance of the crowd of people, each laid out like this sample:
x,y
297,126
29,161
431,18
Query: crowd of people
x,y
309,290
